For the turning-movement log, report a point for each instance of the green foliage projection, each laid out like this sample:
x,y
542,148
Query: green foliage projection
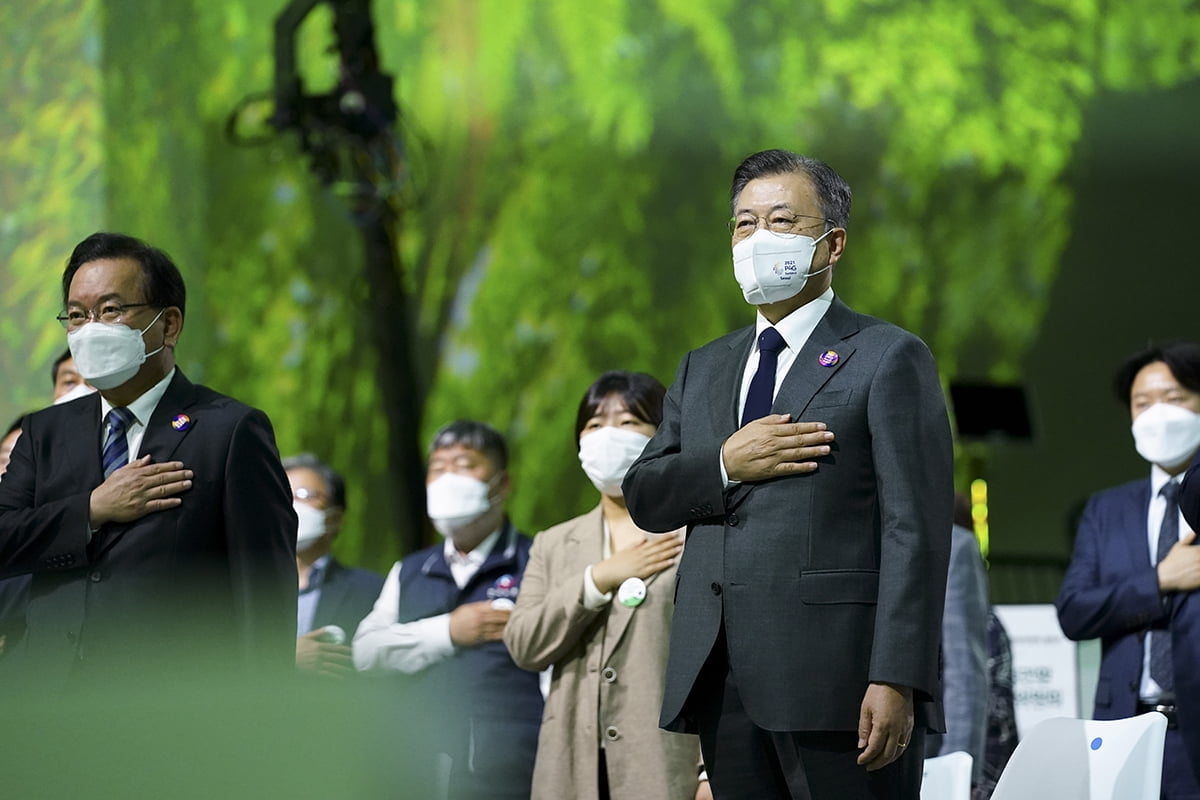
x,y
565,198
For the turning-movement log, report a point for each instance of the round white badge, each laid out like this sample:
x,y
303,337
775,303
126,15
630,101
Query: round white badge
x,y
632,592
503,604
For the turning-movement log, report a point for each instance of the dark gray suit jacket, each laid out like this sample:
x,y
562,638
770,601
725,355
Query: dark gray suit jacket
x,y
207,586
826,581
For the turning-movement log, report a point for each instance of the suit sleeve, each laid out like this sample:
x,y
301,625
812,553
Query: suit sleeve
x,y
1095,601
260,530
965,649
910,445
550,618
675,483
1189,495
38,536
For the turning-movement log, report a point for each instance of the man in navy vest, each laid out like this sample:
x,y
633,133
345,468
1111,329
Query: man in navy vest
x,y
439,623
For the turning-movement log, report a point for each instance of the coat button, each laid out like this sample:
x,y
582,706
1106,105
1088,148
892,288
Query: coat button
x,y
95,577
716,588
610,675
611,733
732,520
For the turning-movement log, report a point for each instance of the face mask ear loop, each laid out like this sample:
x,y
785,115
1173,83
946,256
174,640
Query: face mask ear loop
x,y
148,327
816,242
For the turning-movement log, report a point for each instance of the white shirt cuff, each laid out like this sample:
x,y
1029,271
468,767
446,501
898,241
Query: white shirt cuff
x,y
593,598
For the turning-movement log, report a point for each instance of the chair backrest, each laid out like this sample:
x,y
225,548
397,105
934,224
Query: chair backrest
x,y
1077,759
947,777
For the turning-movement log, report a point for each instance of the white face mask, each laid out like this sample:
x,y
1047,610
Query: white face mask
x,y
607,454
1166,434
772,267
455,501
108,355
82,390
312,525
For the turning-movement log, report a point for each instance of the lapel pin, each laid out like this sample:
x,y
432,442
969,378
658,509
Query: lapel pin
x,y
181,422
632,592
828,358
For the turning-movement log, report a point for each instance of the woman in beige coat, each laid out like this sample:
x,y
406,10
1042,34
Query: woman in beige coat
x,y
596,603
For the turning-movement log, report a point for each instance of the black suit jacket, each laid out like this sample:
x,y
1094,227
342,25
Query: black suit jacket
x,y
205,586
824,581
347,595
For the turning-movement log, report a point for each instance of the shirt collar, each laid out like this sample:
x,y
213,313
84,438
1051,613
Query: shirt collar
x,y
1159,478
316,573
477,556
797,326
144,406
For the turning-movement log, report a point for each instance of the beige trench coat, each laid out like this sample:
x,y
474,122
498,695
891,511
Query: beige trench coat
x,y
609,666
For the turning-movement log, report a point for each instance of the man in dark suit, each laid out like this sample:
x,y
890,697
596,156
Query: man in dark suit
x,y
804,645
154,516
1133,575
333,598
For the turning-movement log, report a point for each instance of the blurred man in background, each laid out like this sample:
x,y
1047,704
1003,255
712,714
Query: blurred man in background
x,y
439,622
333,598
1133,575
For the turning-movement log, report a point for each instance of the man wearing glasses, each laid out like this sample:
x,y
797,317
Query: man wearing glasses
x,y
154,516
809,456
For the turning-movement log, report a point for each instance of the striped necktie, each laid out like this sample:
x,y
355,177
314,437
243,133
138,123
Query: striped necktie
x,y
115,453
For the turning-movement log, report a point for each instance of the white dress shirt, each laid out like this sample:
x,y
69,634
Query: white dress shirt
x,y
1149,688
142,409
795,329
383,643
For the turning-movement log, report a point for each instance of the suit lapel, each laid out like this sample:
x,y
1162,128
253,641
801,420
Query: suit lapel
x,y
808,375
169,425
333,595
84,425
1133,519
727,383
161,438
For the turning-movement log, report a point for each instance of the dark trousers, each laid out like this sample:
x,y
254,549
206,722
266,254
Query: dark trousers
x,y
1178,775
746,762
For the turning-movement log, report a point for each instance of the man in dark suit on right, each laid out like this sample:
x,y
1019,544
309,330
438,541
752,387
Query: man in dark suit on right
x,y
804,644
1134,573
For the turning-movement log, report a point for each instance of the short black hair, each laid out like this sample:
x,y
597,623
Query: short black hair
x,y
475,435
58,362
643,396
335,484
833,192
161,281
1182,358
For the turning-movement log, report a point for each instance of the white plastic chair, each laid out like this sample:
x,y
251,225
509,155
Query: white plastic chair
x,y
947,777
1083,759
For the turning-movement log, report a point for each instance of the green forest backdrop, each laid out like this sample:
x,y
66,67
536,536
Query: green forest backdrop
x,y
565,200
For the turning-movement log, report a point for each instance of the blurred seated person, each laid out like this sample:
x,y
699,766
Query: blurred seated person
x,y
438,625
596,605
333,598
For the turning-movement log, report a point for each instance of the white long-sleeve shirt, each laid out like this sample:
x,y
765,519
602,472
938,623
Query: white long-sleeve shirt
x,y
382,642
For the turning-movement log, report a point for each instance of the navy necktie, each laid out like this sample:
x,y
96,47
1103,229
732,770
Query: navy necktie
x,y
1161,668
115,453
762,385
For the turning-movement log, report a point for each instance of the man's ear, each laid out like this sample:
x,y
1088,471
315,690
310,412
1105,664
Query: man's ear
x,y
172,326
837,244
